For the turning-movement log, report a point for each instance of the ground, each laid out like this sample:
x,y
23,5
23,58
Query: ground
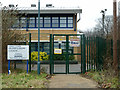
x,y
71,81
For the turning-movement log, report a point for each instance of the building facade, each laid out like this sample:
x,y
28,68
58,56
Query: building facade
x,y
53,20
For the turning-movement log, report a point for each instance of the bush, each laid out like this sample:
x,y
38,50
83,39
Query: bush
x,y
63,57
43,56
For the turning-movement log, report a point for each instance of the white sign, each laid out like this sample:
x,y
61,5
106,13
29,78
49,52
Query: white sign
x,y
74,43
57,51
18,52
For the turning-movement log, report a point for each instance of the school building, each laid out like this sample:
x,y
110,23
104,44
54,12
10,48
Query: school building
x,y
53,20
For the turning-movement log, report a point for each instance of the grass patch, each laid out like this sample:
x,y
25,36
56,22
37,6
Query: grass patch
x,y
103,80
20,79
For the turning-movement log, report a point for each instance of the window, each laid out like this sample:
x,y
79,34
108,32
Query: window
x,y
47,22
70,21
41,22
16,23
62,21
23,22
32,22
55,22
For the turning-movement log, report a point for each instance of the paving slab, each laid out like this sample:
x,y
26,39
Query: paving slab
x,y
71,81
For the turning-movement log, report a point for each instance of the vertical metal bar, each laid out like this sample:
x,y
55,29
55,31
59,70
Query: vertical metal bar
x,y
67,56
81,53
53,55
8,66
29,52
51,49
27,66
84,55
97,53
38,64
87,53
94,53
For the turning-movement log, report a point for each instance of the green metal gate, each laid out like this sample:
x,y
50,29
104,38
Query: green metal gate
x,y
67,54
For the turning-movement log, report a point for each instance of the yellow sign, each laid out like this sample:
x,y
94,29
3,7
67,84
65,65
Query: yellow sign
x,y
57,51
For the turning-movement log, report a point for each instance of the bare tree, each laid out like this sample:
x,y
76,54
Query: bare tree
x,y
9,35
107,27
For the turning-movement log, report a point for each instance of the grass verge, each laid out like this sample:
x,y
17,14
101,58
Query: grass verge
x,y
20,79
103,80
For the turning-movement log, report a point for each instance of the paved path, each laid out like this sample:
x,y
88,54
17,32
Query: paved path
x,y
71,81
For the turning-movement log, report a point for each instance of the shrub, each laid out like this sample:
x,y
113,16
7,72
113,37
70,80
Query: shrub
x,y
63,57
43,56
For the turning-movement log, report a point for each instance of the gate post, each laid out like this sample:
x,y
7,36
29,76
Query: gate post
x,y
29,52
51,49
84,54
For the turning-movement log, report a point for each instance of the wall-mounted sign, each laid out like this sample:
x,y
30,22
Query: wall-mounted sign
x,y
57,51
18,52
74,43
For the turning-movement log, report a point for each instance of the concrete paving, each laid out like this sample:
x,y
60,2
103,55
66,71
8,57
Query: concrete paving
x,y
70,81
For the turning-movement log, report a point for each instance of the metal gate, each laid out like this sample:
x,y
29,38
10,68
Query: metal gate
x,y
67,53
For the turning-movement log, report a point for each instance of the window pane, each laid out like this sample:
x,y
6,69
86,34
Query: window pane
x,y
46,17
41,25
31,24
62,21
46,21
70,17
54,17
47,25
54,25
70,21
62,17
54,21
70,25
62,25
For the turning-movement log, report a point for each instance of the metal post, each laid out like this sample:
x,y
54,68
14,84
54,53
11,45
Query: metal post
x,y
84,54
29,52
87,54
51,49
27,66
81,53
67,56
8,66
38,64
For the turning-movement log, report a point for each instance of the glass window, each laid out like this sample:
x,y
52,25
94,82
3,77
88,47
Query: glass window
x,y
70,25
23,22
16,23
47,22
70,21
62,21
41,22
32,22
55,22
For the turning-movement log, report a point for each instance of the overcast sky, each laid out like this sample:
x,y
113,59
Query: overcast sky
x,y
90,8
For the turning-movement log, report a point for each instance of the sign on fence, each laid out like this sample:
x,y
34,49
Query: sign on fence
x,y
18,52
74,43
57,51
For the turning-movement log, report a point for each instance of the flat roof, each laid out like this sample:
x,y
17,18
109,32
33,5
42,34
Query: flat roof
x,y
50,10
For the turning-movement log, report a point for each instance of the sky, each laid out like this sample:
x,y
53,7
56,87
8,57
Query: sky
x,y
90,8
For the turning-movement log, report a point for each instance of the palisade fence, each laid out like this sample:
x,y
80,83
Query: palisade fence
x,y
95,51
